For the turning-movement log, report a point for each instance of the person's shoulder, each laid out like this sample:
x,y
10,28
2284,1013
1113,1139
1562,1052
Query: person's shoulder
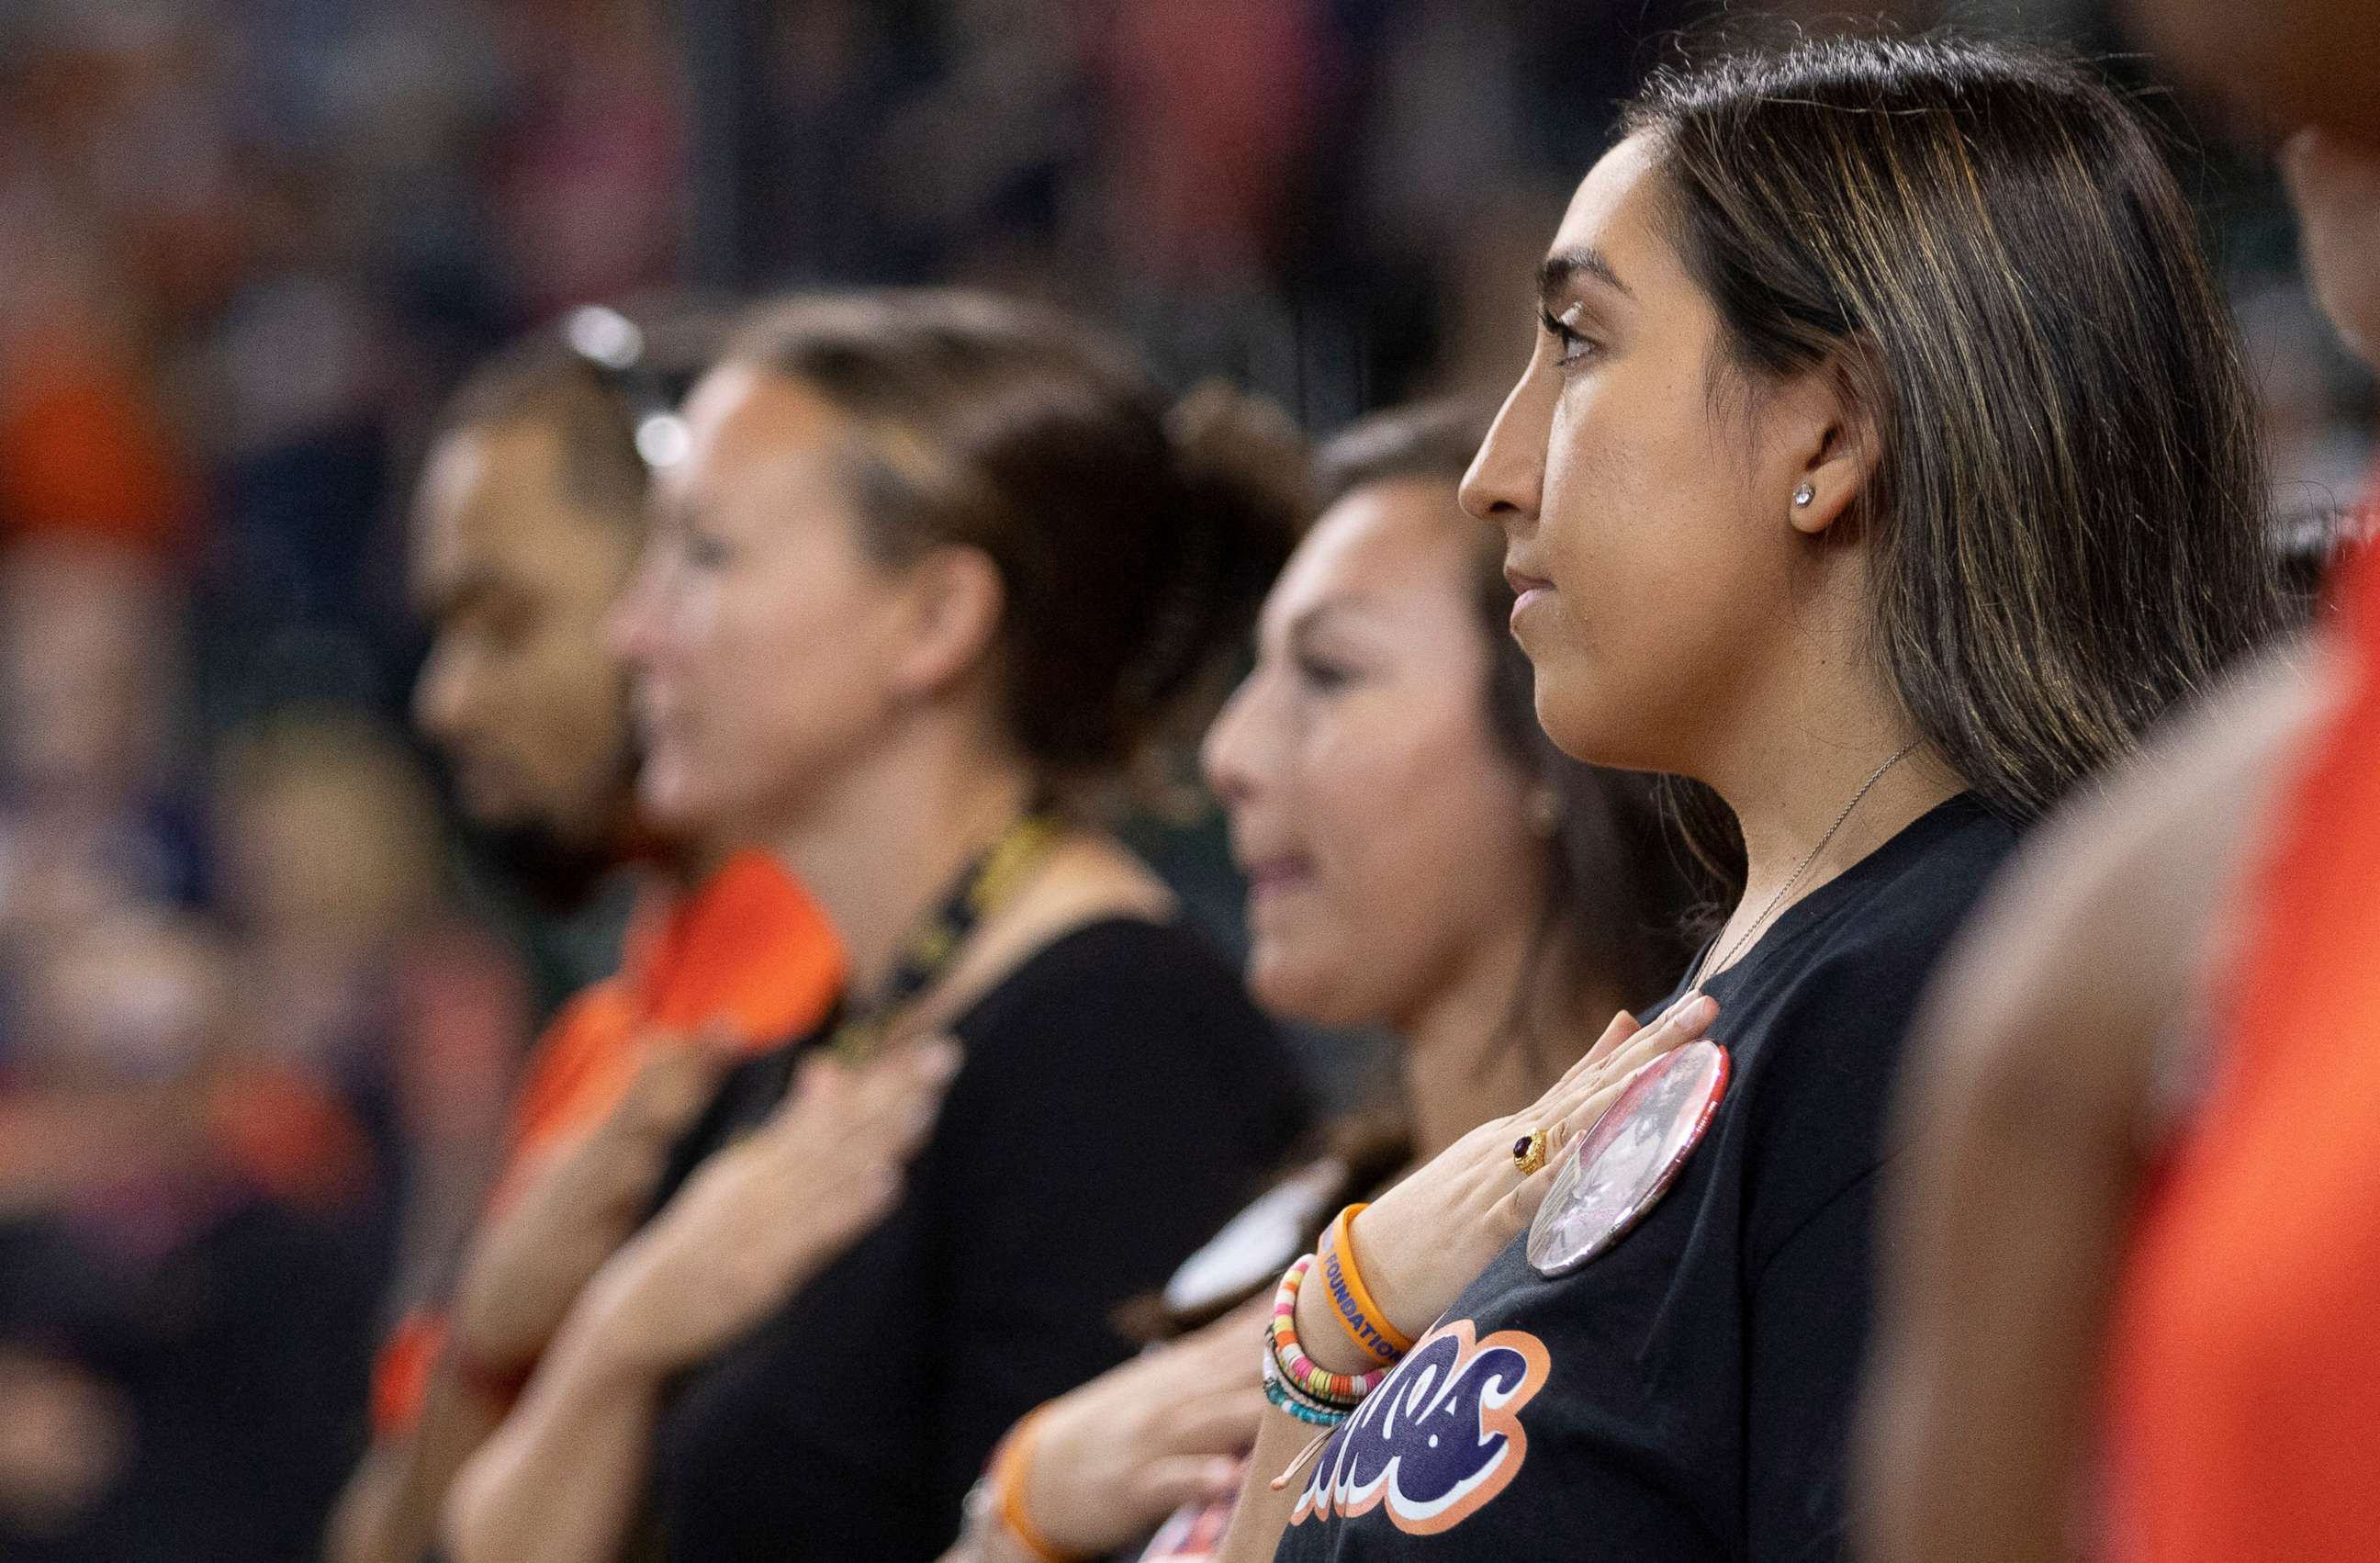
x,y
1832,1035
1111,965
582,1053
1123,995
1126,1014
1938,866
1887,935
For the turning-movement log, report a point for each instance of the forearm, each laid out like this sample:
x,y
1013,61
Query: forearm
x,y
1981,1399
995,1544
1263,1513
390,1510
561,1481
1286,1447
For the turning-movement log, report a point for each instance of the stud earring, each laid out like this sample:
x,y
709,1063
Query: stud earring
x,y
1545,811
1803,495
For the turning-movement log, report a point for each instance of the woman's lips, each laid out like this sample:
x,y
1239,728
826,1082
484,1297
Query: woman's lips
x,y
1267,877
1526,589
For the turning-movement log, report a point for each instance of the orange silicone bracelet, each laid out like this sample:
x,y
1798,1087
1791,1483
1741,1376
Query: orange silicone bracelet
x,y
1351,1301
1008,1485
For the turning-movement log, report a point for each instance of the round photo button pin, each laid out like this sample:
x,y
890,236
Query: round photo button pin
x,y
1619,1170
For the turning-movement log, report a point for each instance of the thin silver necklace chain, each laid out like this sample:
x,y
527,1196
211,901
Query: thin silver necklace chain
x,y
1705,967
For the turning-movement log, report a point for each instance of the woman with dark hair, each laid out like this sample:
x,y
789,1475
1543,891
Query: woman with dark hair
x,y
1420,859
934,569
1885,464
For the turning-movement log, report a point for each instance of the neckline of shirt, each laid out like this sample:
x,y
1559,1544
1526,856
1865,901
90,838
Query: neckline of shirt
x,y
1819,908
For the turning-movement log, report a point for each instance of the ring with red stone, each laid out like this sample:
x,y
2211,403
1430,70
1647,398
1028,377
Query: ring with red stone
x,y
1529,1152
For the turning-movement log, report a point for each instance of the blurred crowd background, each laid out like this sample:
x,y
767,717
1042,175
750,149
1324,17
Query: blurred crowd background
x,y
260,998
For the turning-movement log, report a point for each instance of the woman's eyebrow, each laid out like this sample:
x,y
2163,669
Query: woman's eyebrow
x,y
1557,271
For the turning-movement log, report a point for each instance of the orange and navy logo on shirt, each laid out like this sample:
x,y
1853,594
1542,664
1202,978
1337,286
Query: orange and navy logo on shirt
x,y
1435,1444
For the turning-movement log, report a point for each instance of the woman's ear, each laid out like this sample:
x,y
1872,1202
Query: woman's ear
x,y
1838,444
952,598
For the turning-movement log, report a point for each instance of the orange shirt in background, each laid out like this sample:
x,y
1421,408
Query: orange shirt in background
x,y
2246,1343
748,951
85,449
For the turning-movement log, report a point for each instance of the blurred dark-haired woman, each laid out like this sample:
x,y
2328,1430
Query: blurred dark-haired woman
x,y
933,572
1420,860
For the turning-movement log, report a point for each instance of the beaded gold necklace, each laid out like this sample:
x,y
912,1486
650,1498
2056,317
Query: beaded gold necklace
x,y
990,879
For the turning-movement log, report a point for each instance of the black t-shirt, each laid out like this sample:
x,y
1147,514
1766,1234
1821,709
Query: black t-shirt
x,y
1120,1098
1686,1395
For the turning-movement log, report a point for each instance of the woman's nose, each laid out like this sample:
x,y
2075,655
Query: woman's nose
x,y
1228,755
1507,476
630,627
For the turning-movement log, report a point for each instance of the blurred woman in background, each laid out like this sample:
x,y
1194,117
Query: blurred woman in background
x,y
934,569
1420,857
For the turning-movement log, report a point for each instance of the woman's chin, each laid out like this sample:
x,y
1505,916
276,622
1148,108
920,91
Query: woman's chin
x,y
1596,727
1570,720
1306,992
1282,987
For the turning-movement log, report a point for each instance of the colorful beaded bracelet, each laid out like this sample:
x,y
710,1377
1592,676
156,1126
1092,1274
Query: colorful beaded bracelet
x,y
1351,1301
1285,1396
1330,1388
1272,1373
